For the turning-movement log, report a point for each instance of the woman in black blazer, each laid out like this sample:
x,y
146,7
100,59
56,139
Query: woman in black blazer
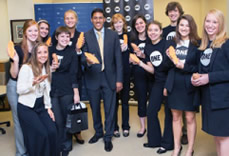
x,y
180,90
214,80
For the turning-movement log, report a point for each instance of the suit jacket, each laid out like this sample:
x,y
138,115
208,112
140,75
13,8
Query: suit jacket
x,y
112,59
219,77
27,92
190,67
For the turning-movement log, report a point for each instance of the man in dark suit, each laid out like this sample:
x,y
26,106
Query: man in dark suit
x,y
103,80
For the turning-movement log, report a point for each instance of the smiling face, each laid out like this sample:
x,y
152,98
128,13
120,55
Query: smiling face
x,y
118,26
42,54
98,20
140,25
184,29
32,33
70,20
174,15
211,26
44,30
154,32
63,40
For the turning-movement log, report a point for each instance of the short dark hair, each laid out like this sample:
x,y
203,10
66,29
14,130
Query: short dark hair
x,y
97,10
172,6
62,29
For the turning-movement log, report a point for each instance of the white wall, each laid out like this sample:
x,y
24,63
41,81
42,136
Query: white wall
x,y
4,29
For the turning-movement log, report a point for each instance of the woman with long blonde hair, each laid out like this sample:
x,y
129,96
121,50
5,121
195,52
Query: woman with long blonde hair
x,y
214,80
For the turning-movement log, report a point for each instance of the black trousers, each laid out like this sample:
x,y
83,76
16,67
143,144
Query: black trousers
x,y
142,87
155,138
109,99
40,134
124,97
60,105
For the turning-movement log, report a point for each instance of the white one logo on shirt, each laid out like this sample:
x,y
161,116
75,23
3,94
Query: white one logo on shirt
x,y
206,57
156,58
171,35
121,41
142,47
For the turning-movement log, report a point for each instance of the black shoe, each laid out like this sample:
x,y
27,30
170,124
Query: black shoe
x,y
139,135
78,140
184,139
116,134
147,145
126,133
94,139
161,150
65,153
108,146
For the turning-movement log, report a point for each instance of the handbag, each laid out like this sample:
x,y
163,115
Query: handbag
x,y
77,118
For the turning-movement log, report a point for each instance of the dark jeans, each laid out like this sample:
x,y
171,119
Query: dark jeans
x,y
60,106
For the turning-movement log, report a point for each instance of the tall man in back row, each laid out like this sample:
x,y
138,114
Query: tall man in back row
x,y
103,80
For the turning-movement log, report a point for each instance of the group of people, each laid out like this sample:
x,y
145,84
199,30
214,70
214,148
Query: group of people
x,y
41,89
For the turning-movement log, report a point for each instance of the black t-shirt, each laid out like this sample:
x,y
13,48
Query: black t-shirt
x,y
205,59
125,54
169,32
64,78
21,57
156,55
141,45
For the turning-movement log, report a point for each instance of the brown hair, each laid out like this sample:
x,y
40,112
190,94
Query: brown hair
x,y
37,71
193,35
117,17
24,45
172,6
134,32
221,36
62,29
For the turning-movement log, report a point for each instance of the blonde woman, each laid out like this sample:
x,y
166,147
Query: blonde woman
x,y
214,80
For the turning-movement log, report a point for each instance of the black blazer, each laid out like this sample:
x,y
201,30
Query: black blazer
x,y
219,77
190,67
112,59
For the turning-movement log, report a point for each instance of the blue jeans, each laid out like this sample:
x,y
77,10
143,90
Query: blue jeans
x,y
13,101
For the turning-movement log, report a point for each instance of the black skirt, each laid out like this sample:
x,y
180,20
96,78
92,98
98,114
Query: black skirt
x,y
180,98
214,121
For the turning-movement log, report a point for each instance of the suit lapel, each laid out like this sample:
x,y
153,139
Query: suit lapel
x,y
96,44
214,53
105,43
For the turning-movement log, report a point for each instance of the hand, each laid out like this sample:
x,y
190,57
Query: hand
x,y
133,62
54,65
90,62
140,54
167,53
76,98
16,57
51,114
77,44
202,80
179,65
124,47
37,80
119,86
165,92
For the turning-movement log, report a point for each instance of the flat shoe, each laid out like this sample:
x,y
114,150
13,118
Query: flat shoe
x,y
125,133
139,135
146,145
161,150
116,134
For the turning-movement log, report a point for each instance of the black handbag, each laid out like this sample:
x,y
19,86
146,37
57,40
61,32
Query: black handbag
x,y
77,118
